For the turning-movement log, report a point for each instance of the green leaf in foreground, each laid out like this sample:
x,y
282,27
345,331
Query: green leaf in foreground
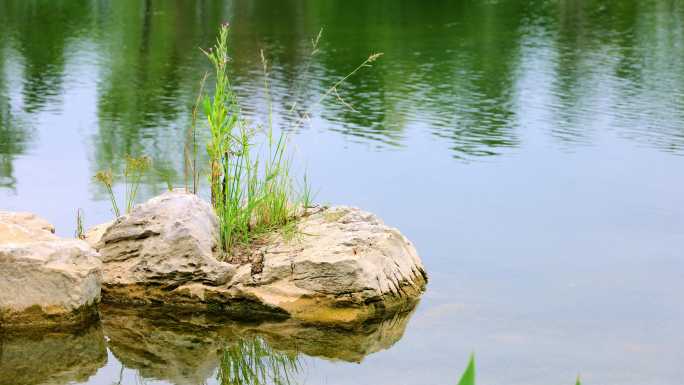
x,y
468,377
578,382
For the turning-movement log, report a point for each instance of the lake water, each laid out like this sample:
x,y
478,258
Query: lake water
x,y
532,150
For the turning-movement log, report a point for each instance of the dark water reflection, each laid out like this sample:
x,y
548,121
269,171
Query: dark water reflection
x,y
532,150
188,349
52,358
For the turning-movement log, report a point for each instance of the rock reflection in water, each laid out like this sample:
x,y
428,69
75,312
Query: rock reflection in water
x,y
52,357
191,348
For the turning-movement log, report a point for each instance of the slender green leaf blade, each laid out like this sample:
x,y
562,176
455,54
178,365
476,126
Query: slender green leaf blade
x,y
468,377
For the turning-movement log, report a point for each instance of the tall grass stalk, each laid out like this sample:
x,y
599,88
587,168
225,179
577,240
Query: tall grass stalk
x,y
251,194
79,233
190,151
333,89
314,50
251,183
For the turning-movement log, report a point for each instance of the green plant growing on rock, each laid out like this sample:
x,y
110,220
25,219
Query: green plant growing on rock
x,y
107,179
190,150
252,190
133,172
251,194
79,233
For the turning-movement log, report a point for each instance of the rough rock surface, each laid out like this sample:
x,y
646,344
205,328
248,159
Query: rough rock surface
x,y
24,227
45,281
343,264
164,245
94,234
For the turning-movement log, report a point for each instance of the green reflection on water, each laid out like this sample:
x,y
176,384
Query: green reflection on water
x,y
477,75
253,362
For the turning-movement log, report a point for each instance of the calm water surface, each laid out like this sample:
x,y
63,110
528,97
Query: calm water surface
x,y
532,150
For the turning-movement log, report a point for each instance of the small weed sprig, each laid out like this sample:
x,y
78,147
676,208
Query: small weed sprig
x,y
79,233
107,179
133,172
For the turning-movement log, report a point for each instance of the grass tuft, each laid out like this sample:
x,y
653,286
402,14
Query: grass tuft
x,y
252,189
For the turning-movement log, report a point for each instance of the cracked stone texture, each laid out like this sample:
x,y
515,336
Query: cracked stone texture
x,y
343,265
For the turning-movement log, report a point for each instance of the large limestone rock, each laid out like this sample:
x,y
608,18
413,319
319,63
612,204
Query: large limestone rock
x,y
45,281
343,264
